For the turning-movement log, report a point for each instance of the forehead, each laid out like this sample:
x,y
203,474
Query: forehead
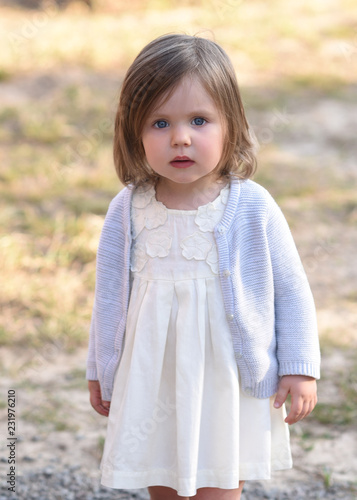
x,y
189,93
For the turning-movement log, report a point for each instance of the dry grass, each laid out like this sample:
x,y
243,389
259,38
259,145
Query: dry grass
x,y
60,73
289,40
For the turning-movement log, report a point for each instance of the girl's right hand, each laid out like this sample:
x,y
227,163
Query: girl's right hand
x,y
95,397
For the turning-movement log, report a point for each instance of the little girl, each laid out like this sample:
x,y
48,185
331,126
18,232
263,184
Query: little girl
x,y
203,320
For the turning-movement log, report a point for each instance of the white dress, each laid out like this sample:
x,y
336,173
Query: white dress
x,y
177,415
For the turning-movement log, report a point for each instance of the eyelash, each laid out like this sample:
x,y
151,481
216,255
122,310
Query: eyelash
x,y
197,118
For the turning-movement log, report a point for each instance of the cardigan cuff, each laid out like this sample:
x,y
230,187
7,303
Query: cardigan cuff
x,y
300,368
106,393
91,374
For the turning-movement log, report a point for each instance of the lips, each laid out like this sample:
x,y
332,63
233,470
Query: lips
x,y
182,162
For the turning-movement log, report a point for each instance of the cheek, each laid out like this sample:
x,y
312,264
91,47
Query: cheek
x,y
146,143
152,148
217,137
156,143
216,143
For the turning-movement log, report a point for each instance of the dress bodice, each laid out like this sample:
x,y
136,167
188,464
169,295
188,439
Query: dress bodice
x,y
174,244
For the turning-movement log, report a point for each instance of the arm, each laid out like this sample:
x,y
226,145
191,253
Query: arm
x,y
295,322
111,295
303,396
296,332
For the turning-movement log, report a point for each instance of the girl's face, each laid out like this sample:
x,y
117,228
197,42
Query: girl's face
x,y
183,137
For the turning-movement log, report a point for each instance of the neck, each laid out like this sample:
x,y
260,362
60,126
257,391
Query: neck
x,y
188,196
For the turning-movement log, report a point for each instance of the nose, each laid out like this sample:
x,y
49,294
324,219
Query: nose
x,y
180,136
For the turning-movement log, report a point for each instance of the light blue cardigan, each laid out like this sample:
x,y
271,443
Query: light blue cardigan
x,y
268,301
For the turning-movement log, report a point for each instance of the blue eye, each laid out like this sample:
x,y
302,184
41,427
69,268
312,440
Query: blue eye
x,y
161,124
199,121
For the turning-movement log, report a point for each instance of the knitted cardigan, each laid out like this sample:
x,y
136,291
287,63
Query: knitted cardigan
x,y
267,298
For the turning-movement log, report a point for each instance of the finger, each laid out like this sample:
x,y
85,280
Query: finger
x,y
106,405
311,406
281,396
99,408
295,412
304,411
308,406
95,400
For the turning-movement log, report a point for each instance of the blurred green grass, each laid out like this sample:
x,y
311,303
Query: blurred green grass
x,y
343,411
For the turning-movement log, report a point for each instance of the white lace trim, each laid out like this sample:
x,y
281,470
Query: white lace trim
x,y
151,216
195,246
212,259
158,243
139,257
142,196
149,213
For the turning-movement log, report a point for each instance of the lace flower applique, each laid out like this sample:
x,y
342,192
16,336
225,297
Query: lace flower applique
x,y
212,259
225,194
209,215
142,196
195,246
138,257
158,243
147,212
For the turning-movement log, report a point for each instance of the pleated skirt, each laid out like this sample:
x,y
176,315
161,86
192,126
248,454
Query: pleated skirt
x,y
178,417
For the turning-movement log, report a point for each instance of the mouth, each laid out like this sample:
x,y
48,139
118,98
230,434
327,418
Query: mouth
x,y
182,162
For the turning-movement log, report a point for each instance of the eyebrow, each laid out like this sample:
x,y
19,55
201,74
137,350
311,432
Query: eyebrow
x,y
194,112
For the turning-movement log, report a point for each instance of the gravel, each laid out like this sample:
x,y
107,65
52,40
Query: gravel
x,y
72,483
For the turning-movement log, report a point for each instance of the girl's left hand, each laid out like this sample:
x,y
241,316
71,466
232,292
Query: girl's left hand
x,y
303,393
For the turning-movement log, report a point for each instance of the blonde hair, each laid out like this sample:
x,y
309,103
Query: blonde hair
x,y
157,70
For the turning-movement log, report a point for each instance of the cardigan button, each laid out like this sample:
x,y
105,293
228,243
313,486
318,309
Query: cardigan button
x,y
230,317
249,391
239,355
226,273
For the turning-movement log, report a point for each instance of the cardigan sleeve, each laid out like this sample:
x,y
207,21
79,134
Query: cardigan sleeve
x,y
106,338
296,332
103,325
91,373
